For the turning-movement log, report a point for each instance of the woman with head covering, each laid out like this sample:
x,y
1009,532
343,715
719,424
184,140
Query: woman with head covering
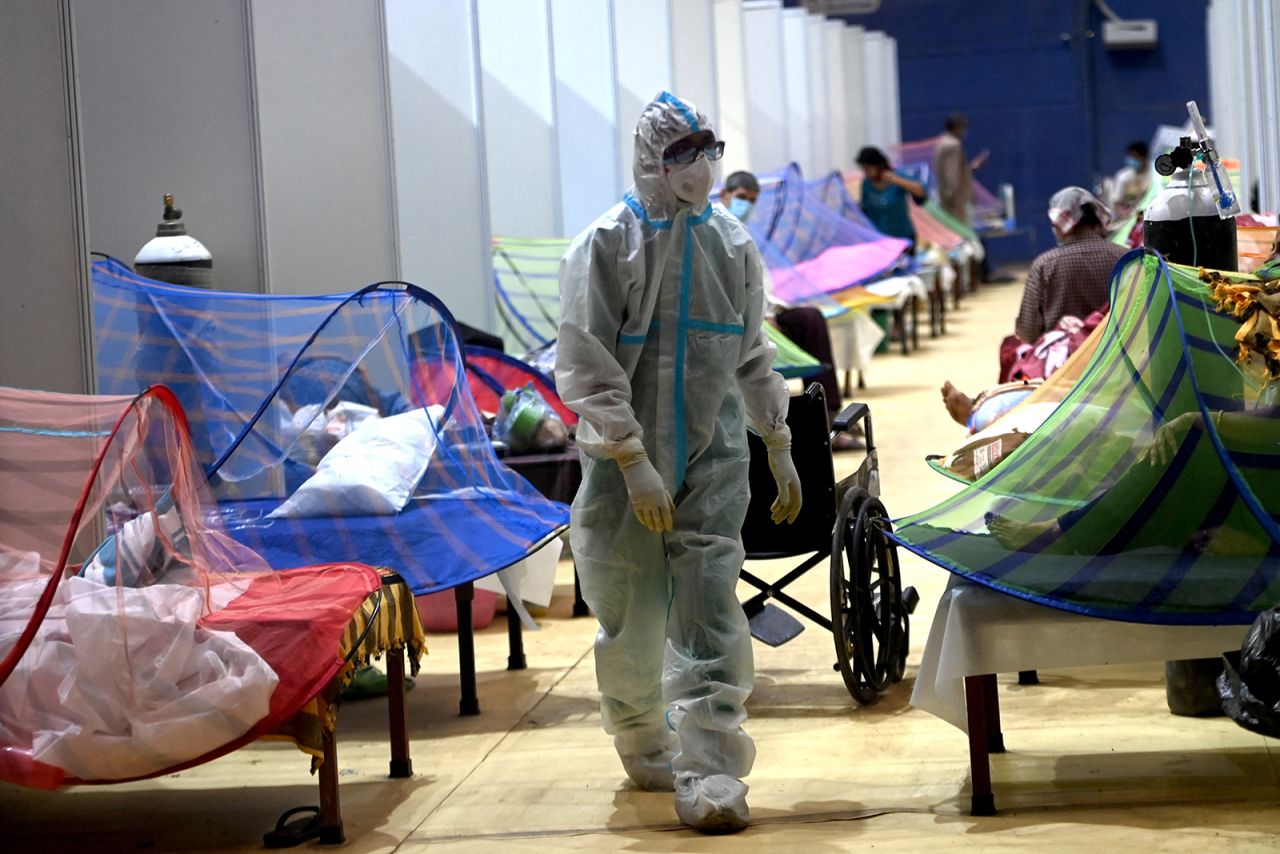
x,y
1073,278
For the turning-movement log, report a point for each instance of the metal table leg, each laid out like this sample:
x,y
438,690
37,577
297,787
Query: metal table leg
x,y
470,702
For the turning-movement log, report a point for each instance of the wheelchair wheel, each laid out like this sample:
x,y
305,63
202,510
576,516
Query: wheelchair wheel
x,y
866,599
902,644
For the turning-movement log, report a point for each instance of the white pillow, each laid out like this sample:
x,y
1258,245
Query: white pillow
x,y
372,471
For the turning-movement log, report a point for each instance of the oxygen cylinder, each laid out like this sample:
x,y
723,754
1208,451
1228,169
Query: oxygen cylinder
x,y
173,255
1183,225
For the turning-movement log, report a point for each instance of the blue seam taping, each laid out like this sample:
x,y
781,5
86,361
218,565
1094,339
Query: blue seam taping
x,y
685,113
686,294
638,209
727,328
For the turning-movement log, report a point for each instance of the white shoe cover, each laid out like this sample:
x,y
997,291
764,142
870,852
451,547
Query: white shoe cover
x,y
715,804
651,771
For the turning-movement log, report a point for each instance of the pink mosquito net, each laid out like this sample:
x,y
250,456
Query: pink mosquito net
x,y
135,636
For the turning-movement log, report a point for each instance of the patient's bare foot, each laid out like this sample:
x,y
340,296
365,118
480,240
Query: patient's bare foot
x,y
1016,536
959,405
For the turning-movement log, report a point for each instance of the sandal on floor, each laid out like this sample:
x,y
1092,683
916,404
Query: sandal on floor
x,y
289,834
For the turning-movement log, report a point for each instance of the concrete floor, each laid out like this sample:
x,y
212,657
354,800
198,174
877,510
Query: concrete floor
x,y
1095,762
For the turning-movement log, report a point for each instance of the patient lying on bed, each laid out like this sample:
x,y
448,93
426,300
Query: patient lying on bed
x,y
1099,526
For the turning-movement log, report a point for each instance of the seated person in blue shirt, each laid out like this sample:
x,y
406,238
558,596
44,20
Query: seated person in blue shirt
x,y
884,196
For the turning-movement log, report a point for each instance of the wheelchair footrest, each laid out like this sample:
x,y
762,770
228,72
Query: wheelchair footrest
x,y
910,599
774,626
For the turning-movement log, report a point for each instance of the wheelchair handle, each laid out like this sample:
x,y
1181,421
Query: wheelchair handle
x,y
853,413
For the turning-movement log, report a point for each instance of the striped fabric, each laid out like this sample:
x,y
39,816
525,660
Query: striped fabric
x,y
1151,494
812,250
259,377
387,621
527,279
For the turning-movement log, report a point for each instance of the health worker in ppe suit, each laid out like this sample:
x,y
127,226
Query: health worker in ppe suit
x,y
662,355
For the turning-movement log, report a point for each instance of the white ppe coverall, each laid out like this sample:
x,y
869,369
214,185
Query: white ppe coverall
x,y
661,350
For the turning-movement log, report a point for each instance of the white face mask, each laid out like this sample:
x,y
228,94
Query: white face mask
x,y
691,183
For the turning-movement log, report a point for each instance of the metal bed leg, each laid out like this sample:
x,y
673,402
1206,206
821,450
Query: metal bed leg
x,y
515,640
397,715
915,322
470,702
976,696
330,807
900,318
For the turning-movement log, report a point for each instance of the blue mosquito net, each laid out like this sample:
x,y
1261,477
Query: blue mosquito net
x,y
270,384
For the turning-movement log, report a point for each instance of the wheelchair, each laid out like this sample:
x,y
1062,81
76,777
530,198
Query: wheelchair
x,y
843,524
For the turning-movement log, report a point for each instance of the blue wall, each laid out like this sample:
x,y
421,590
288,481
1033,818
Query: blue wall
x,y
1053,106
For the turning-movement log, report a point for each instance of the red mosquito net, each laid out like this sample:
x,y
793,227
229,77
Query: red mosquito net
x,y
135,636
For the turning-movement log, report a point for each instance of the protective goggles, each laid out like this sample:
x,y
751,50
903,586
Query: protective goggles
x,y
685,151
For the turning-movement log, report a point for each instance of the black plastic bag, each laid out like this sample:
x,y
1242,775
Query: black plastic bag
x,y
1250,685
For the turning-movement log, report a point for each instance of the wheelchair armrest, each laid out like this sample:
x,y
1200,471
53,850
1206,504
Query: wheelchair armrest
x,y
853,413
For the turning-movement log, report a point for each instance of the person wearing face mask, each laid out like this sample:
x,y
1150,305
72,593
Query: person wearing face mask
x,y
1127,189
803,325
662,355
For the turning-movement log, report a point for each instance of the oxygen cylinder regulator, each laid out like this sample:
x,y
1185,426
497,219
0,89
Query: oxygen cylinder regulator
x,y
1192,221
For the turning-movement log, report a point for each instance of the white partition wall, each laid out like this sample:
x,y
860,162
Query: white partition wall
x,y
1244,64
1265,22
268,119
1228,89
642,51
837,108
893,112
693,55
586,110
44,288
880,69
165,111
441,198
766,84
855,76
518,86
325,140
731,88
819,81
799,120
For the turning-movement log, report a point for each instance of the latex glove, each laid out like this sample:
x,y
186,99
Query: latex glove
x,y
649,497
787,504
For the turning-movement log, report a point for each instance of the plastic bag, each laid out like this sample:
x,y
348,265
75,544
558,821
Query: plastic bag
x,y
528,425
543,359
1250,685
